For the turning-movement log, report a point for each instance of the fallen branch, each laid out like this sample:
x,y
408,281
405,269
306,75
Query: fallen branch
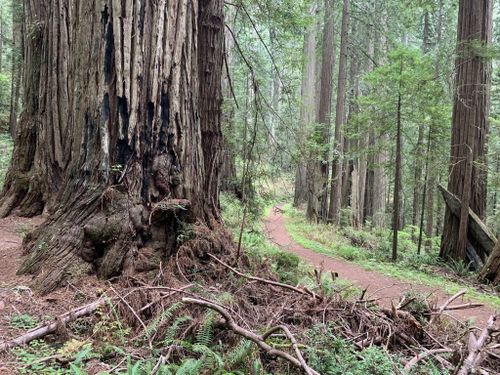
x,y
476,346
259,340
424,355
446,304
265,281
42,331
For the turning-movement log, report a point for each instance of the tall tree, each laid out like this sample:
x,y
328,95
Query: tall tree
x,y
469,124
338,150
120,136
318,195
307,105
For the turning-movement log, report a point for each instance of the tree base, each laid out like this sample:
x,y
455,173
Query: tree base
x,y
105,233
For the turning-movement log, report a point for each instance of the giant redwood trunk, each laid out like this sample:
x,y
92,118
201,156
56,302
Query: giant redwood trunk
x,y
470,124
120,137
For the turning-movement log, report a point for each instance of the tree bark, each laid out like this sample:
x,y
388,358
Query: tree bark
x,y
491,270
16,73
470,124
120,138
318,177
338,148
396,218
307,108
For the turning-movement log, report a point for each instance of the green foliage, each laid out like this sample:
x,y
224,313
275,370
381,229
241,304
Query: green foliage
x,y
6,147
23,321
330,355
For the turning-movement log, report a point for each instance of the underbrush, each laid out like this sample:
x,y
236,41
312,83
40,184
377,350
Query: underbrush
x,y
192,315
372,250
6,147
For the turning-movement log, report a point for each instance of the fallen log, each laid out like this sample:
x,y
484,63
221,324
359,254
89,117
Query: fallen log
x,y
476,346
477,229
42,331
491,270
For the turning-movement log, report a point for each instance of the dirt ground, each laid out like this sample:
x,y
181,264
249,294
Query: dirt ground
x,y
385,289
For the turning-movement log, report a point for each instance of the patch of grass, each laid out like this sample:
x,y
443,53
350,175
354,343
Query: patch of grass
x,y
6,147
327,240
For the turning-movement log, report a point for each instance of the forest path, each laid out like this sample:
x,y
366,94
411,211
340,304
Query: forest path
x,y
380,287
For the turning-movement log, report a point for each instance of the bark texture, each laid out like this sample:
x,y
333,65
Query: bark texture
x,y
317,205
119,142
338,150
470,124
307,109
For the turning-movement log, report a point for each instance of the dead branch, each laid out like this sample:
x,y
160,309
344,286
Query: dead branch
x,y
424,355
259,340
42,331
446,304
270,282
476,346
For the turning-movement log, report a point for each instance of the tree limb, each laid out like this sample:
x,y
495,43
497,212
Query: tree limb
x,y
259,340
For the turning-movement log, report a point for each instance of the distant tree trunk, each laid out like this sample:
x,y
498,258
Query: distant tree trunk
x,y
396,214
16,73
318,199
228,178
470,125
120,137
380,182
338,148
420,157
307,107
432,180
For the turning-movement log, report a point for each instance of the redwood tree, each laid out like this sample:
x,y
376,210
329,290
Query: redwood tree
x,y
470,124
120,136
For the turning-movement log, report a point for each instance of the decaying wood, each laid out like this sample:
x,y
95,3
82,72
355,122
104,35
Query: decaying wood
x,y
259,340
424,355
491,270
476,346
270,282
477,229
446,304
42,331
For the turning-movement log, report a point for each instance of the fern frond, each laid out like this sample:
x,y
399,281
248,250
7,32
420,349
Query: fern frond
x,y
163,317
172,330
205,332
237,355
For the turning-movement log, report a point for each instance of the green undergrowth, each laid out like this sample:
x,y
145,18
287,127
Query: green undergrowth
x,y
372,251
6,146
257,246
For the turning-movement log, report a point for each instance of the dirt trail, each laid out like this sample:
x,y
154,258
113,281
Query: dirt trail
x,y
383,288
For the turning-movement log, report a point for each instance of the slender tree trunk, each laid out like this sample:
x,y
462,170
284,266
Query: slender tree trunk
x,y
16,73
307,108
318,201
120,138
338,150
228,178
396,218
470,125
420,157
432,181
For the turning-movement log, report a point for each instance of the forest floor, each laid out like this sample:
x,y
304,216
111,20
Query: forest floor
x,y
386,290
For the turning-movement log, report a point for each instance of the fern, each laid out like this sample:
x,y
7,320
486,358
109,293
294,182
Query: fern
x,y
172,330
236,356
210,359
205,332
190,366
163,317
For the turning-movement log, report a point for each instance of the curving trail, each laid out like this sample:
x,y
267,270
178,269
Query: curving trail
x,y
383,288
